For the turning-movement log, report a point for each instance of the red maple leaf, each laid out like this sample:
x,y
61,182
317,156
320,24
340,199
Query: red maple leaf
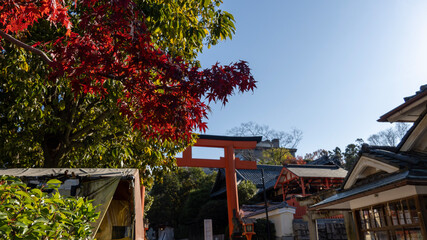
x,y
163,96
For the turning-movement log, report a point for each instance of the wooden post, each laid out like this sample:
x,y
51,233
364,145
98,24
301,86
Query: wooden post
x,y
231,182
350,227
302,187
143,206
327,183
312,228
142,197
283,192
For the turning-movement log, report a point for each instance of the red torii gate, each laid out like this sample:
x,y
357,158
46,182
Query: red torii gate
x,y
229,162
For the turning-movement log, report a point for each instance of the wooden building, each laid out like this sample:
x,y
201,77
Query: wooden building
x,y
386,190
304,180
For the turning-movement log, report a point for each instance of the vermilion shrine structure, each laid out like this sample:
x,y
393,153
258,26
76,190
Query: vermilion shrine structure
x,y
305,180
229,162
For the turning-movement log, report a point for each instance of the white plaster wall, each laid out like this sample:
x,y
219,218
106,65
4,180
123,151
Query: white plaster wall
x,y
282,220
283,224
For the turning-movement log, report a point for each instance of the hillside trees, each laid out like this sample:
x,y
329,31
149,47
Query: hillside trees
x,y
108,83
346,158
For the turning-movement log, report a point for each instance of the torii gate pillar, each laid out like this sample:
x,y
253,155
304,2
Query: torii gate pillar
x,y
229,162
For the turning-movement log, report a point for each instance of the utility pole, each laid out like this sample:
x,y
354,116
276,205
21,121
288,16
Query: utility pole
x,y
265,205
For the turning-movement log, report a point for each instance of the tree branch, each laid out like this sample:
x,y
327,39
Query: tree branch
x,y
27,47
109,137
87,108
73,105
95,122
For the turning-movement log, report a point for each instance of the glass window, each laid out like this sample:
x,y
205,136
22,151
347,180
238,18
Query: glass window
x,y
413,209
406,212
400,234
382,235
362,220
415,234
369,236
393,213
391,221
372,218
400,213
379,216
366,216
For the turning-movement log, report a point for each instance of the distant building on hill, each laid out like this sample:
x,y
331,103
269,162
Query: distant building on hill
x,y
257,153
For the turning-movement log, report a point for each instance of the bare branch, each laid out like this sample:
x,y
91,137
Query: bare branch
x,y
390,136
27,47
286,139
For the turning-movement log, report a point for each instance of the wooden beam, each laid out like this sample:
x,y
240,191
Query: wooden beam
x,y
206,163
245,164
223,143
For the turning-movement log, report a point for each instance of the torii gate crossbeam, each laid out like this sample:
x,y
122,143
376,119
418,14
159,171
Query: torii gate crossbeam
x,y
229,162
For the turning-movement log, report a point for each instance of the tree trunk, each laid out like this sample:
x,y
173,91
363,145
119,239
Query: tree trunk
x,y
52,151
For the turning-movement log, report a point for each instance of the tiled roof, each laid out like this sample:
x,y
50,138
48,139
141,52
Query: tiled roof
x,y
412,166
271,172
327,160
252,210
408,101
366,187
398,159
328,171
422,89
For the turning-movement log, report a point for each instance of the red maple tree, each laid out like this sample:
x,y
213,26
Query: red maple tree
x,y
163,96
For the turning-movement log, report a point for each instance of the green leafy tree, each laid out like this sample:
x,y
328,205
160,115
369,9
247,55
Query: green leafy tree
x,y
33,214
349,156
351,153
246,191
276,156
45,122
184,27
178,196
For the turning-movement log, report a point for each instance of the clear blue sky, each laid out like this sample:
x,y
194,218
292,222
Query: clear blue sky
x,y
328,68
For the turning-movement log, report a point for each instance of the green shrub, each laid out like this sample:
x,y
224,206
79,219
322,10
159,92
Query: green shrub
x,y
33,214
261,231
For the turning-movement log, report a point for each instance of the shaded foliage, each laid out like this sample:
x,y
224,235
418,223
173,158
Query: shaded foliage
x,y
175,198
260,227
246,191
